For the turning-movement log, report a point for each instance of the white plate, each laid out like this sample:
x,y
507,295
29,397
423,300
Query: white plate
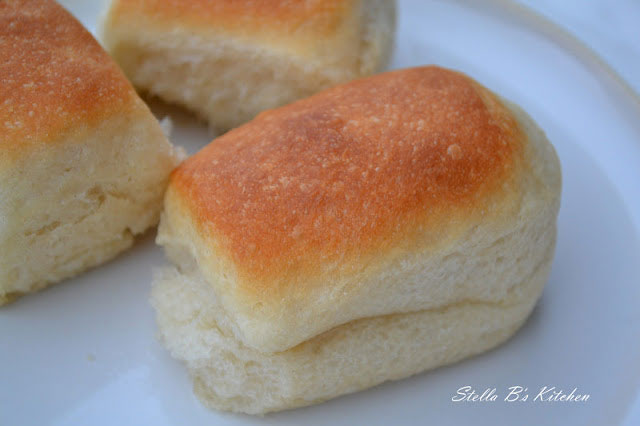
x,y
85,353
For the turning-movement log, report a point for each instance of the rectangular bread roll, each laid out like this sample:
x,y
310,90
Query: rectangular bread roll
x,y
367,233
83,162
227,60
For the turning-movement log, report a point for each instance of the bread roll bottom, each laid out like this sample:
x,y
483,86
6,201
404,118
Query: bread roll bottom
x,y
362,353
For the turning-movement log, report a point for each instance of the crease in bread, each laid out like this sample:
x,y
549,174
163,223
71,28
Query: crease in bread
x,y
416,198
229,60
354,356
83,162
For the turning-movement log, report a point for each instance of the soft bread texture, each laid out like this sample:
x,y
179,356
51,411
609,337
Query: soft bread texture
x,y
360,201
370,232
227,60
230,376
83,163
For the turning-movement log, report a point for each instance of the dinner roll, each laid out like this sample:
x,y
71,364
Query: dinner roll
x,y
372,231
83,163
227,60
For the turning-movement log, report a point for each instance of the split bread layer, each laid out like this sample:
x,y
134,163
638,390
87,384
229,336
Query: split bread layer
x,y
230,376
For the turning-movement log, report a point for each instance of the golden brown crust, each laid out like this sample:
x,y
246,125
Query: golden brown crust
x,y
54,76
353,169
289,17
309,29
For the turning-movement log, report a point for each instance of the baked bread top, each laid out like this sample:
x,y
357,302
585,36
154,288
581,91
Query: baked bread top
x,y
54,77
310,29
398,156
290,215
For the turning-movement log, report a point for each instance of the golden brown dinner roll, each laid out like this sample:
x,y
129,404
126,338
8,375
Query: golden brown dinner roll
x,y
372,231
83,163
227,60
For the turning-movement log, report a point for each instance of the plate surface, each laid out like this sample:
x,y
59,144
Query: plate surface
x,y
85,352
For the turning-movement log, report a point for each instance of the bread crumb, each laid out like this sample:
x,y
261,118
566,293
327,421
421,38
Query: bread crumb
x,y
454,151
167,126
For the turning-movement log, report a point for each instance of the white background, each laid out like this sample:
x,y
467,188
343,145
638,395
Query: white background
x,y
83,352
612,30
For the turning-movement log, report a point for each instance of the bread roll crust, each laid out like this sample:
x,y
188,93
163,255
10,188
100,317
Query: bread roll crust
x,y
304,28
298,26
357,202
54,77
353,168
228,60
